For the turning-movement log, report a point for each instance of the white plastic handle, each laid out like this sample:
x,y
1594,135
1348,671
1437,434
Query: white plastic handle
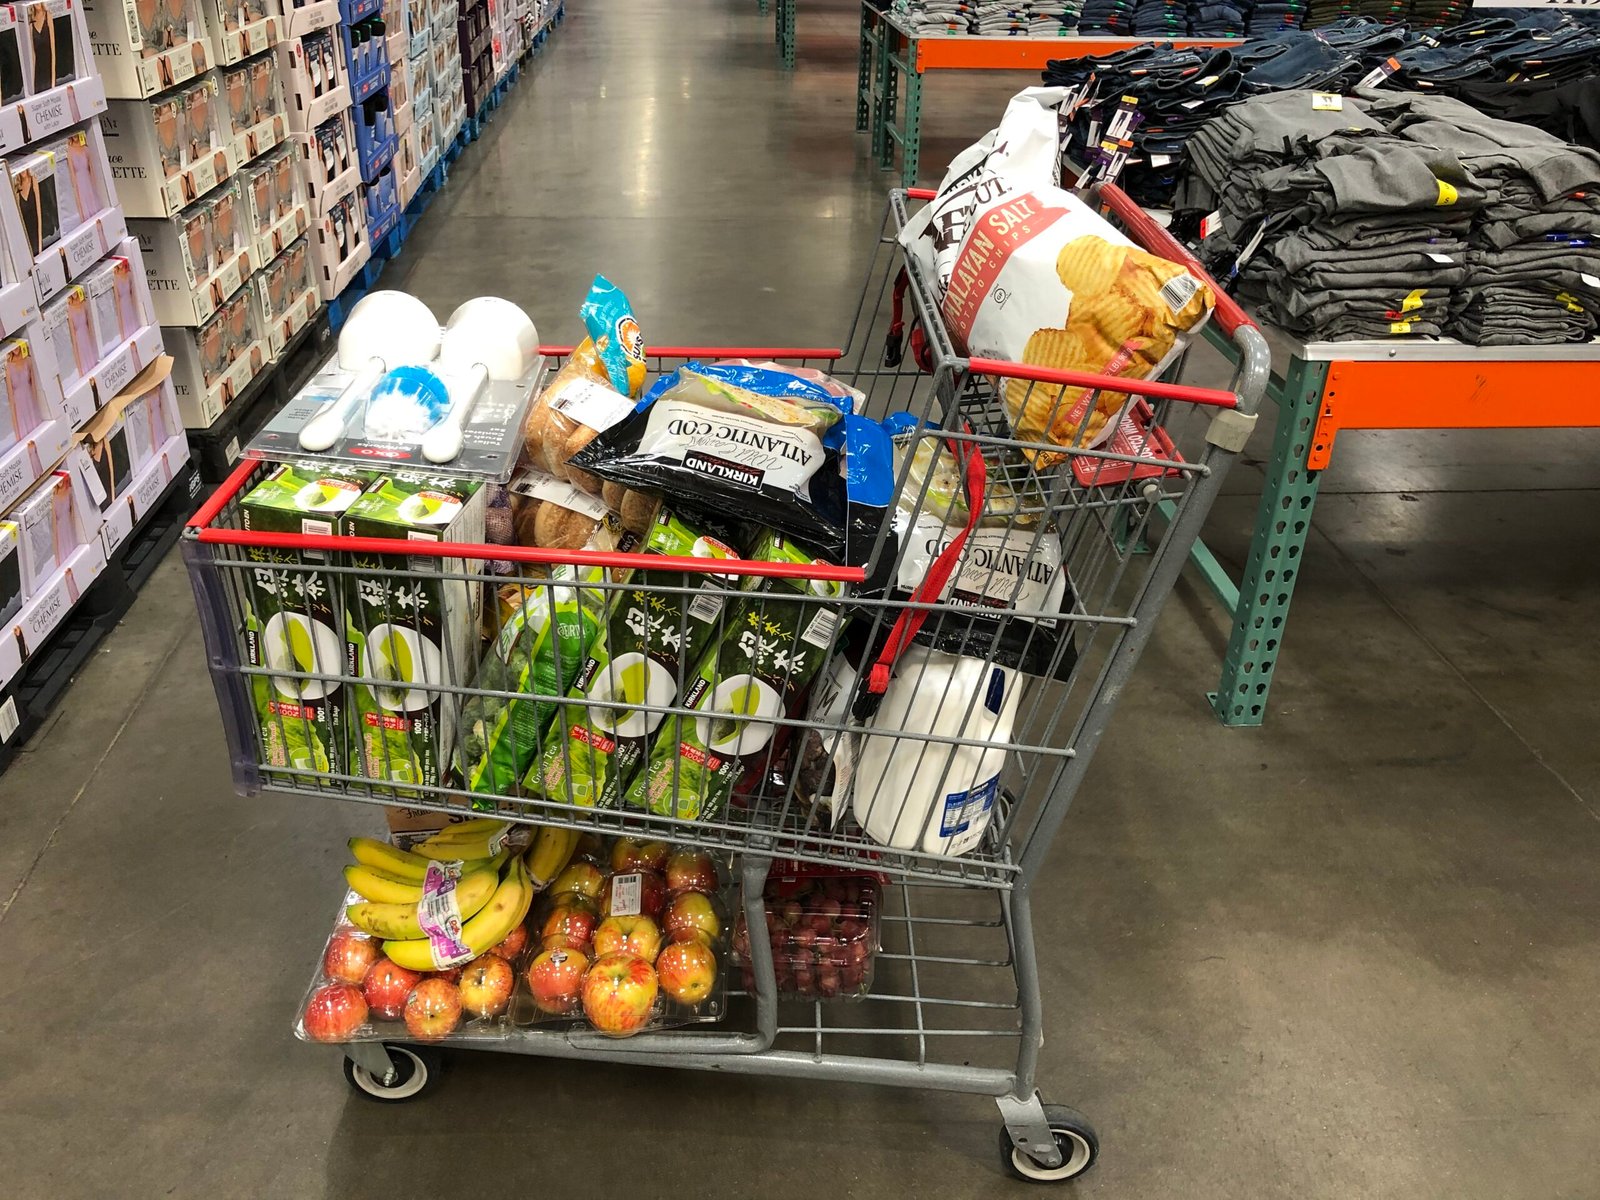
x,y
443,442
326,425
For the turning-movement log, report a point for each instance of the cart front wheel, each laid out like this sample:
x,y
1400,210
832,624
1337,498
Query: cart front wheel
x,y
1075,1138
413,1075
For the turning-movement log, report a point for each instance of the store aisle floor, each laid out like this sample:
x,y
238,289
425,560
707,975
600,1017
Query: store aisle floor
x,y
1348,955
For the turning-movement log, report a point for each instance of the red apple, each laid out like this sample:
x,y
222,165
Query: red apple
x,y
433,1010
691,871
556,979
687,970
691,915
618,992
335,1012
515,942
486,985
386,987
638,936
349,956
449,975
570,923
584,878
652,894
629,854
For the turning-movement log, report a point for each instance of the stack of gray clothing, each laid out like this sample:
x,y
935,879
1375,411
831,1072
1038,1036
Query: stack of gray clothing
x,y
925,17
1053,18
1534,247
1002,18
1332,226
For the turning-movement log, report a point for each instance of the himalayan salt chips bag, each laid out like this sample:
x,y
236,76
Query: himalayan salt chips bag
x,y
1042,279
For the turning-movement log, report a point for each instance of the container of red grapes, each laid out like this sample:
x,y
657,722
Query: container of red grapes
x,y
822,925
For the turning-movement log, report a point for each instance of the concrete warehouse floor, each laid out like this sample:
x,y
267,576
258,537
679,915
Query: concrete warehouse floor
x,y
1350,954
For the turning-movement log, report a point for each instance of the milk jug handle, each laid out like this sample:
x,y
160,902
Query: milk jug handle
x,y
939,572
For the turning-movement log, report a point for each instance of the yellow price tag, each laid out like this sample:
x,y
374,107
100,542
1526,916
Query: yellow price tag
x,y
1400,327
1571,302
1326,102
1414,301
1447,194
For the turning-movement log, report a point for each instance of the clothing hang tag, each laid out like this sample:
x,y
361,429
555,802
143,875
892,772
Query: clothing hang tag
x,y
1571,301
1192,103
1211,223
1413,300
1250,248
1444,259
1326,102
1209,80
1379,73
1400,327
1125,119
1592,281
1160,160
1447,194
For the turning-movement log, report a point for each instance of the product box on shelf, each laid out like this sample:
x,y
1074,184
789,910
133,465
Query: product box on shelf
x,y
102,333
142,47
383,204
301,19
240,28
214,363
258,119
399,84
36,433
10,585
412,634
342,245
167,152
197,259
276,200
316,84
402,125
151,414
375,134
367,57
65,207
425,132
47,78
329,165
60,531
286,295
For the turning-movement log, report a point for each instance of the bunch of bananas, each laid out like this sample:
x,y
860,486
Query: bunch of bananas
x,y
492,901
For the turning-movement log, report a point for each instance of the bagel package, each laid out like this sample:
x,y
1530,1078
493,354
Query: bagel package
x,y
594,389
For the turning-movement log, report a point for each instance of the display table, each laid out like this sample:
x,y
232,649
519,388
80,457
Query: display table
x,y
1325,387
889,51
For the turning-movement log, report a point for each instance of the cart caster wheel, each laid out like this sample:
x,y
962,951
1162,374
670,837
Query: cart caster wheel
x,y
415,1071
1074,1136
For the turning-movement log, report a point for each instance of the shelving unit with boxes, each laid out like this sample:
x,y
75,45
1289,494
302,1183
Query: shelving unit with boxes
x,y
206,170
92,443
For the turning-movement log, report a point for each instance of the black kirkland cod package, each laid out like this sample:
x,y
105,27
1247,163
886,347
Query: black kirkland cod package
x,y
724,446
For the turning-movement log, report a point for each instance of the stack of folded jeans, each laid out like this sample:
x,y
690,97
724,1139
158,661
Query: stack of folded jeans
x,y
1270,16
1106,16
1330,224
1217,18
1160,18
1534,248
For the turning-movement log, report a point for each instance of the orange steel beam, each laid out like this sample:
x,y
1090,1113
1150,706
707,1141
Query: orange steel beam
x,y
1026,54
1455,395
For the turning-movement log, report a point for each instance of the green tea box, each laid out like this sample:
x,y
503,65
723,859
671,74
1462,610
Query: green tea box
x,y
411,623
295,622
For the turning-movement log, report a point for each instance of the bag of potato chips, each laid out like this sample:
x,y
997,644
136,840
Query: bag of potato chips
x,y
1042,279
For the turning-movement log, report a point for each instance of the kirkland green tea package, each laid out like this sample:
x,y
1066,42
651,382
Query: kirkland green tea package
x,y
539,651
773,644
296,620
406,627
650,638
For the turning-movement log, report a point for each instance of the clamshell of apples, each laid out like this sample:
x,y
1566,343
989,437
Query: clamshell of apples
x,y
631,936
822,924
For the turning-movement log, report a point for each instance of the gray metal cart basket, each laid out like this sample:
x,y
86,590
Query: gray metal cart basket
x,y
956,1004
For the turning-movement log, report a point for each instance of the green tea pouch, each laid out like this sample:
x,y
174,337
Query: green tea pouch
x,y
539,651
650,637
774,643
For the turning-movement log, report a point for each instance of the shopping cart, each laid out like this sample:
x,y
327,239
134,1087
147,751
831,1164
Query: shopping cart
x,y
956,1002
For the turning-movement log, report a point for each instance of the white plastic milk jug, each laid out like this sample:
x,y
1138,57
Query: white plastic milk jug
x,y
936,797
